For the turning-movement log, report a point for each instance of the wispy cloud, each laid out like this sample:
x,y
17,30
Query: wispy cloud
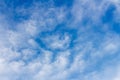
x,y
49,40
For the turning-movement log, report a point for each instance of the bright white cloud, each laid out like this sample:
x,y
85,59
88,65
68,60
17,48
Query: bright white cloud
x,y
23,58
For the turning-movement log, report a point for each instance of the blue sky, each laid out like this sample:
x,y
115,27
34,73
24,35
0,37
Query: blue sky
x,y
60,40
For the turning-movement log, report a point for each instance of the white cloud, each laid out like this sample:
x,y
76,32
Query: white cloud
x,y
21,57
57,41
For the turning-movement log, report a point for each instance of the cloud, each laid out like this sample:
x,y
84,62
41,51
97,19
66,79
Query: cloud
x,y
75,41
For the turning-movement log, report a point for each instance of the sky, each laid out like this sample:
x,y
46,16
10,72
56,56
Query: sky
x,y
59,39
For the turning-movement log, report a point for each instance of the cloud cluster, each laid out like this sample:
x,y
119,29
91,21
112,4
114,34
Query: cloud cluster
x,y
51,41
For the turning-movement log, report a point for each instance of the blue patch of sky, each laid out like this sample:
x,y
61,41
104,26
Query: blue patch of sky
x,y
109,14
109,18
116,27
60,3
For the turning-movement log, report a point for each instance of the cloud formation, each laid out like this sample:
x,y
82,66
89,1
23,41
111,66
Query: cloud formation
x,y
59,40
